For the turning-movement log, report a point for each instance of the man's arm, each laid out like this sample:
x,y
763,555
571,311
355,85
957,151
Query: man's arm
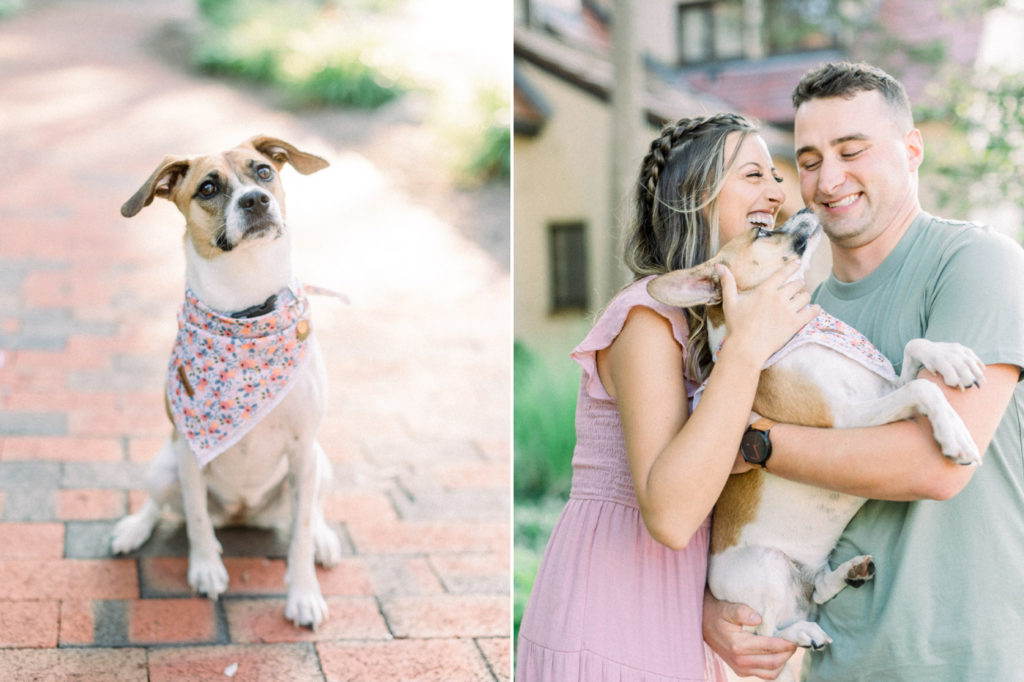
x,y
898,461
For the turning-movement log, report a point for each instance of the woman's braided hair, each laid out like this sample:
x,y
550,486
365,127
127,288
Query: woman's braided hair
x,y
676,209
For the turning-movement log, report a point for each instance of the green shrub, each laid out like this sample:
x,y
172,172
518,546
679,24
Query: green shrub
x,y
490,153
544,432
314,54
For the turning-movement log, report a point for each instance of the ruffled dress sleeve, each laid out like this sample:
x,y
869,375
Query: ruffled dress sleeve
x,y
609,325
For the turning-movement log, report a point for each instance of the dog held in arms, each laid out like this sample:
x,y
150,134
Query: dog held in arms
x,y
246,383
771,538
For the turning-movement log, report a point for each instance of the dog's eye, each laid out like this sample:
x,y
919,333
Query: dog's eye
x,y
763,232
207,189
264,173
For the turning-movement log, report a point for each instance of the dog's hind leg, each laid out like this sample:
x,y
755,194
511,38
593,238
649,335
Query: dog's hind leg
x,y
327,547
132,531
852,573
805,633
305,604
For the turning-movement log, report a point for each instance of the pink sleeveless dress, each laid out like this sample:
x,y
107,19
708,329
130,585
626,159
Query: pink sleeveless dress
x,y
610,603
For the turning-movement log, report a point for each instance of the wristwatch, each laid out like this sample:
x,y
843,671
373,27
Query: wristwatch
x,y
756,446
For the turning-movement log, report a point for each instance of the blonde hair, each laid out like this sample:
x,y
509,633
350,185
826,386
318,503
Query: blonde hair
x,y
675,225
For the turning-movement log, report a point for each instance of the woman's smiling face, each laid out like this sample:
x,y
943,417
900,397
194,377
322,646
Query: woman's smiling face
x,y
751,194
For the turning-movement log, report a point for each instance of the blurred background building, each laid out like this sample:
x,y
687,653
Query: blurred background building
x,y
596,79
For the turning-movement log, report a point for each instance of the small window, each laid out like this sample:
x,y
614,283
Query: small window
x,y
706,31
569,281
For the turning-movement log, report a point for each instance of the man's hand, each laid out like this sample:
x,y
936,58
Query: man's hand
x,y
744,652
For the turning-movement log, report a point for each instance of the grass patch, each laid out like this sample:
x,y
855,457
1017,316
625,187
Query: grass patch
x,y
544,431
544,434
317,53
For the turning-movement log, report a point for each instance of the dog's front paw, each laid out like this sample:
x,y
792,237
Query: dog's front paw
x,y
306,607
207,576
958,365
954,439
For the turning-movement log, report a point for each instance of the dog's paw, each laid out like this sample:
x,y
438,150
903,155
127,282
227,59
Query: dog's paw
x,y
327,545
130,533
306,607
207,576
805,634
954,439
958,365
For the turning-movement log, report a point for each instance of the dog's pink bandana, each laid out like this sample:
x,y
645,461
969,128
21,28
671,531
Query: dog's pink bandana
x,y
842,338
832,333
225,374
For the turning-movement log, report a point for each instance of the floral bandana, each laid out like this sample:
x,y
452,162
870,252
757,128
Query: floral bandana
x,y
842,338
832,333
226,374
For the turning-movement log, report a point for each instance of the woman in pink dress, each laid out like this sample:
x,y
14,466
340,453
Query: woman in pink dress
x,y
620,588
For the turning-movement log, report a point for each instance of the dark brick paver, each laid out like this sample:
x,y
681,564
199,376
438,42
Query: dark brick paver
x,y
418,412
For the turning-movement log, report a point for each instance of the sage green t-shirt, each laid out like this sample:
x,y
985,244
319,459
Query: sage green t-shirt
x,y
947,601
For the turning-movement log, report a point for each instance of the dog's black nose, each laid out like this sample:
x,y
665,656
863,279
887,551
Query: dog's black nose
x,y
256,200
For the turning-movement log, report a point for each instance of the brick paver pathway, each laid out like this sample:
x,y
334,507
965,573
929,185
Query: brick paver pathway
x,y
417,423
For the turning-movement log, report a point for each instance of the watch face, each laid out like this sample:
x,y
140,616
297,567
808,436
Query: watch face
x,y
755,446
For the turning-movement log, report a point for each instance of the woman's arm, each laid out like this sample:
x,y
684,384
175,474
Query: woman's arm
x,y
680,462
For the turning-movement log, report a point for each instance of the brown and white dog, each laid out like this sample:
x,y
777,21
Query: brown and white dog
x,y
771,538
243,449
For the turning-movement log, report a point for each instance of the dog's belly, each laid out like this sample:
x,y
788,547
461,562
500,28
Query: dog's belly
x,y
802,521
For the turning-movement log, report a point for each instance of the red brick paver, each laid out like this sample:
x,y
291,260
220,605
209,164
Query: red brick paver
x,y
95,94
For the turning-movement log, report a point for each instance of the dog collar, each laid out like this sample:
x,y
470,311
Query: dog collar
x,y
225,374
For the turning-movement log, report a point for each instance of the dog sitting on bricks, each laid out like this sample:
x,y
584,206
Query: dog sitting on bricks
x,y
771,538
246,383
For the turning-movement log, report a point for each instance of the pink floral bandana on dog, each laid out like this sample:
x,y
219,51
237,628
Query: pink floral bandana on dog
x,y
226,374
832,333
842,338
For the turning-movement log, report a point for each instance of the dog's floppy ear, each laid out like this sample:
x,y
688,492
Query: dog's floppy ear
x,y
698,285
281,152
160,184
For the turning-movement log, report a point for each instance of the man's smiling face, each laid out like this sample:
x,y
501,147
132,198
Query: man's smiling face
x,y
857,161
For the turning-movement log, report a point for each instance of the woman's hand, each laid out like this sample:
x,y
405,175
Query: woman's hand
x,y
762,320
744,652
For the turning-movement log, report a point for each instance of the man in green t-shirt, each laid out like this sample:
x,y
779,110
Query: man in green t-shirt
x,y
947,602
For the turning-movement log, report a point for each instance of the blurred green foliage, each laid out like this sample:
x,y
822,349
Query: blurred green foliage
x,y
490,153
10,7
544,432
312,50
980,160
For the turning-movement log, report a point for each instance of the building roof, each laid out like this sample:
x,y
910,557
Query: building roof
x,y
591,72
